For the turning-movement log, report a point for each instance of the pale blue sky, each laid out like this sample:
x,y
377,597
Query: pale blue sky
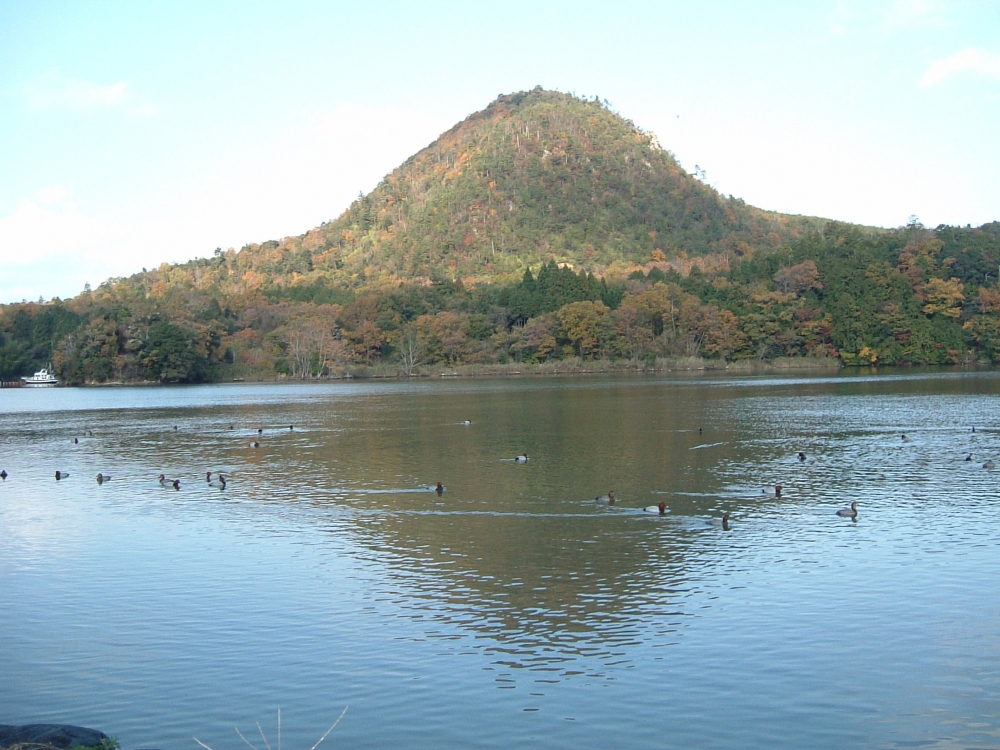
x,y
137,133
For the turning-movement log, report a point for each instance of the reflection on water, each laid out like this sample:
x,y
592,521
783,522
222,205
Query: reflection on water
x,y
511,608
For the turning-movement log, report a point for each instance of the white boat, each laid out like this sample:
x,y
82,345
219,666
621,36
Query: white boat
x,y
41,379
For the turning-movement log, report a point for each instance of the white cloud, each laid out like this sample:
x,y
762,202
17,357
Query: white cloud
x,y
48,250
889,16
976,60
910,13
144,110
840,17
52,91
53,194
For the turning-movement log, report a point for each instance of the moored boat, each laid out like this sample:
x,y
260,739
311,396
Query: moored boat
x,y
41,379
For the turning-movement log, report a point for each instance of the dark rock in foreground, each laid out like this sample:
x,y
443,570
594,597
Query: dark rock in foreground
x,y
60,736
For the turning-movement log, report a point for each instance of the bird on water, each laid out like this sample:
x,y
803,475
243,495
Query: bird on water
x,y
851,512
723,522
175,483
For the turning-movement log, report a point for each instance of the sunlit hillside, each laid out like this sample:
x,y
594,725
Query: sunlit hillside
x,y
544,228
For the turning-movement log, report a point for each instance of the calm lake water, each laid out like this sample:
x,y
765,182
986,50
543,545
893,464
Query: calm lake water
x,y
513,610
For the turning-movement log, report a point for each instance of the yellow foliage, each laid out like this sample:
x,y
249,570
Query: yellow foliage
x,y
868,353
944,297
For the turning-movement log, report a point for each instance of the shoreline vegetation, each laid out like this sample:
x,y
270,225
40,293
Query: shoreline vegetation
x,y
574,366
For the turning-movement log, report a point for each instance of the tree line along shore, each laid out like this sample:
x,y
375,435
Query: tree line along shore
x,y
842,295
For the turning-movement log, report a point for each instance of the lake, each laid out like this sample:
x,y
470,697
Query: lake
x,y
512,610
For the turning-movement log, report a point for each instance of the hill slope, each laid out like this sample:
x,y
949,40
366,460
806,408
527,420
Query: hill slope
x,y
536,176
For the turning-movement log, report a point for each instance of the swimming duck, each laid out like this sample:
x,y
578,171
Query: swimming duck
x,y
904,438
989,464
522,459
76,441
661,509
609,498
777,490
175,483
102,478
439,488
723,522
61,475
4,475
467,422
802,456
220,482
254,444
851,512
969,457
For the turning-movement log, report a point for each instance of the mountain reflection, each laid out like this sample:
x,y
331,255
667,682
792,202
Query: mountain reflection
x,y
544,589
520,557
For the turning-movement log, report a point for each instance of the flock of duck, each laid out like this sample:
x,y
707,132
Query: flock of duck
x,y
850,511
212,479
218,480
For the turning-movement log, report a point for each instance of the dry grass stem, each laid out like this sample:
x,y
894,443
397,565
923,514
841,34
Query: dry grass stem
x,y
244,738
331,728
264,737
266,743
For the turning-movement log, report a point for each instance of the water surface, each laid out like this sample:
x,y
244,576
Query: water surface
x,y
512,610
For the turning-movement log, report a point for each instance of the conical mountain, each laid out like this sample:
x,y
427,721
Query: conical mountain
x,y
534,177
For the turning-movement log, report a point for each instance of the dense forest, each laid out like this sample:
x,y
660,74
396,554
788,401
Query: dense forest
x,y
543,228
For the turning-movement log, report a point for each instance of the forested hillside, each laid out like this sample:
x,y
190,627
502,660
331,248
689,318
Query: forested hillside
x,y
544,227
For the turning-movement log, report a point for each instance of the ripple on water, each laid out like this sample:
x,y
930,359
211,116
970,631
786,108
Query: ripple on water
x,y
325,574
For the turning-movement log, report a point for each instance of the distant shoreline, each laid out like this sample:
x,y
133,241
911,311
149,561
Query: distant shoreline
x,y
565,367
557,368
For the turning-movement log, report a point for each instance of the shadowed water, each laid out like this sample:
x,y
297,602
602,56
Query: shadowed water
x,y
511,610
